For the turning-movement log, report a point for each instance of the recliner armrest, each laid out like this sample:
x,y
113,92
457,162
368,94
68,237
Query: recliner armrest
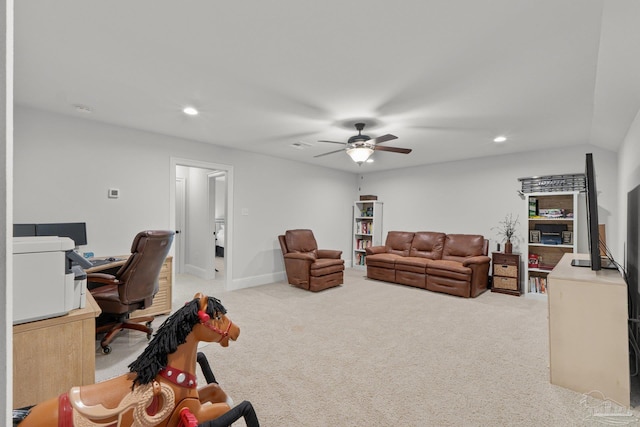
x,y
372,250
480,259
329,253
299,255
102,278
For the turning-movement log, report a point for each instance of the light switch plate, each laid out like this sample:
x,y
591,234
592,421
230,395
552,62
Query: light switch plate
x,y
114,193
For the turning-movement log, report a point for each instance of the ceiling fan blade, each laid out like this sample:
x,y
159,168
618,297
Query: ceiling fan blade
x,y
330,152
383,138
333,142
392,149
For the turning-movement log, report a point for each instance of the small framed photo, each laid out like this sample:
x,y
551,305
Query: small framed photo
x,y
534,236
567,237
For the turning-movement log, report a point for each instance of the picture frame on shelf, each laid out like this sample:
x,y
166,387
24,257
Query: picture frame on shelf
x,y
567,237
534,236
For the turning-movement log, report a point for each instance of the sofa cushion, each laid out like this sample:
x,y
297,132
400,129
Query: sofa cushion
x,y
324,266
384,260
427,244
398,242
448,268
457,247
411,263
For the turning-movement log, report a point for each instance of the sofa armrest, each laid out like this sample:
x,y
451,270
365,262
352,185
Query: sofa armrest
x,y
481,259
372,250
307,256
329,253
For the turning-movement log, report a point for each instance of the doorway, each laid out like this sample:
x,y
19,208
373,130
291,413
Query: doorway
x,y
217,219
201,200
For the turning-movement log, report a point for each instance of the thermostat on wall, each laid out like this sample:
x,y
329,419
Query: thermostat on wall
x,y
114,193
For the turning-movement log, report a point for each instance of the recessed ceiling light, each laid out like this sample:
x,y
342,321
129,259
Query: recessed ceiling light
x,y
500,139
190,111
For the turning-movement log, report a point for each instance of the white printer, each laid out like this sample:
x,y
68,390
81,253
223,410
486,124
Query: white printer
x,y
45,284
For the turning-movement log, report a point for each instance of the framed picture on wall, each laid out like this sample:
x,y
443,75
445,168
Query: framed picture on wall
x,y
534,236
567,237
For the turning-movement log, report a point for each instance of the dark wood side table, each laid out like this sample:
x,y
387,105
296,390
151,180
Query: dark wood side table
x,y
506,273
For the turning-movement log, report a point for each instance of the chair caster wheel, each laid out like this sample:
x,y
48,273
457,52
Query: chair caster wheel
x,y
106,349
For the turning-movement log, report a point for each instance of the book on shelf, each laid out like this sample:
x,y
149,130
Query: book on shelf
x,y
363,243
533,207
364,227
537,285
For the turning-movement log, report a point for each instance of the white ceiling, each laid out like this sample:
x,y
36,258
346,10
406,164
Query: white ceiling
x,y
445,76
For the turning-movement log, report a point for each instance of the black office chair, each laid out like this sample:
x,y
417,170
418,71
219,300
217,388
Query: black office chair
x,y
131,288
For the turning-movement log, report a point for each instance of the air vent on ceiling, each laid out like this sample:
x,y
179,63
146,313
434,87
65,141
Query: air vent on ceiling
x,y
301,145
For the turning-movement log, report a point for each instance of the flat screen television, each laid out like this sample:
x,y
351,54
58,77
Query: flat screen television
x,y
592,213
633,248
594,261
76,231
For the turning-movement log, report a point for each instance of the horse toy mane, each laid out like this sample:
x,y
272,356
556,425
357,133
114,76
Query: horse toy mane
x,y
170,335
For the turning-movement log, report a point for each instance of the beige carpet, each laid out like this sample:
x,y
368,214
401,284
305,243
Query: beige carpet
x,y
370,353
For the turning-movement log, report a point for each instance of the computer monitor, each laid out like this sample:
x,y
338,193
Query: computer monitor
x,y
24,230
76,231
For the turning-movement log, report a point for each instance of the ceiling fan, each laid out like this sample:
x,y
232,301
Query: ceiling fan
x,y
360,147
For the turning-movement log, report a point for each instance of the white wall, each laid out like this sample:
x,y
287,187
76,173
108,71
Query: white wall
x,y
64,166
629,175
472,196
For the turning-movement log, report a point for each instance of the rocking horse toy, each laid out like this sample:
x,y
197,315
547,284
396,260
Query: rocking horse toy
x,y
161,388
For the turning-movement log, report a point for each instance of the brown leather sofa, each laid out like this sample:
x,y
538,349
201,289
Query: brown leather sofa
x,y
307,266
455,264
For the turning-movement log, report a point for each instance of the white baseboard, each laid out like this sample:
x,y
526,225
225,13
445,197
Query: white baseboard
x,y
250,282
199,272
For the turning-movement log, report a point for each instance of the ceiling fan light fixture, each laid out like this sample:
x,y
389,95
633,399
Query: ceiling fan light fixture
x,y
360,154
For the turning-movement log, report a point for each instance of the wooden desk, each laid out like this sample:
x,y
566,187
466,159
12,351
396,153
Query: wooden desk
x,y
52,355
121,260
588,341
162,300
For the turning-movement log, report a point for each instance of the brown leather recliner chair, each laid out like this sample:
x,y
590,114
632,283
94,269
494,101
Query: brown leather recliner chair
x,y
132,288
307,266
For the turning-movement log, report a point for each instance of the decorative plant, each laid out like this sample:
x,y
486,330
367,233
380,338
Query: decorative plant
x,y
507,227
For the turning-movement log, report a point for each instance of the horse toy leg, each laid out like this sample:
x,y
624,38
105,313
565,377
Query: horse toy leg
x,y
212,392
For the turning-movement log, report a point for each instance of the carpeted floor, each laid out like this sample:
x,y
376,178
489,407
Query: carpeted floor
x,y
370,353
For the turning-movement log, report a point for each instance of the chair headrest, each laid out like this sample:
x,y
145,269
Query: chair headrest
x,y
138,242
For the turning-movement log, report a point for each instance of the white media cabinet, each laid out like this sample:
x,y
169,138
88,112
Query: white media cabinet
x,y
588,332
